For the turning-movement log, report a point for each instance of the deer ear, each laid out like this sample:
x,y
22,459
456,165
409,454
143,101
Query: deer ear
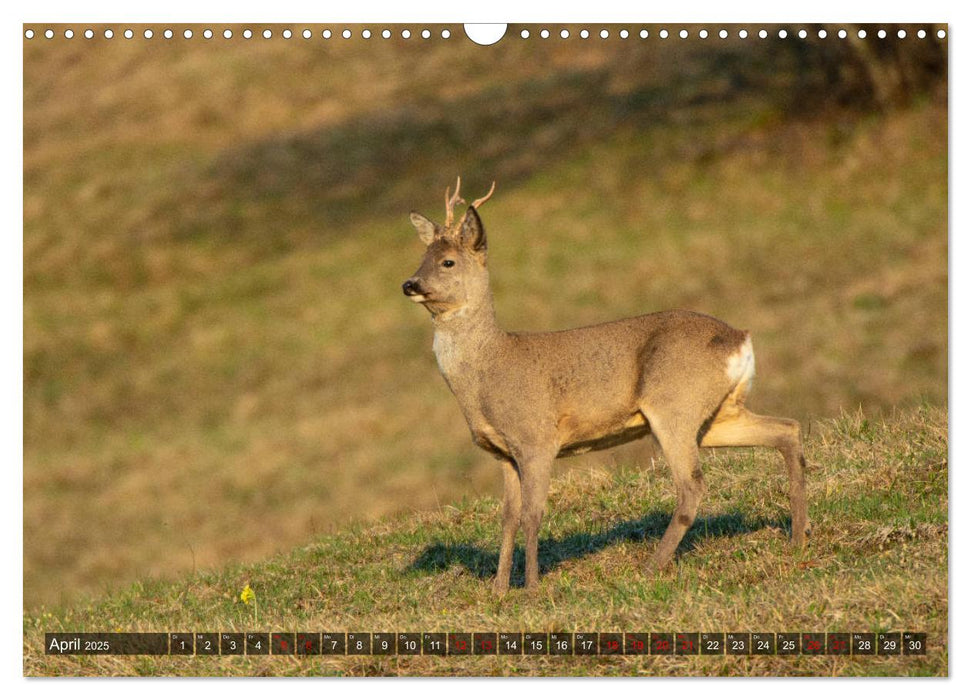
x,y
427,229
471,232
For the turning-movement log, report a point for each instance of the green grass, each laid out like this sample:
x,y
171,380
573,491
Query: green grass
x,y
877,561
218,362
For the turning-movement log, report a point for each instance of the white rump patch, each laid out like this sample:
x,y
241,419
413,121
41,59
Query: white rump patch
x,y
741,363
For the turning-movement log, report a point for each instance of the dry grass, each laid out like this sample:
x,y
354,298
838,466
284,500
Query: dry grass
x,y
877,561
218,363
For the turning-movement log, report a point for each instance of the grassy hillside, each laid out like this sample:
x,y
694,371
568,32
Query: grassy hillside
x,y
877,562
218,362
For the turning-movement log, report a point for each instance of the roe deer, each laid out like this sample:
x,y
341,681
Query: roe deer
x,y
532,397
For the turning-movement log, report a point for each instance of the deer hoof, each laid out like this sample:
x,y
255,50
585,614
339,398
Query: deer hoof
x,y
799,536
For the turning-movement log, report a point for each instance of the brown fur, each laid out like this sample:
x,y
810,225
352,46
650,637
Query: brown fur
x,y
532,397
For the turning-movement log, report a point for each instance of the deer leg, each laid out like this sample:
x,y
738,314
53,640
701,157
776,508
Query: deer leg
x,y
735,426
682,456
535,477
511,511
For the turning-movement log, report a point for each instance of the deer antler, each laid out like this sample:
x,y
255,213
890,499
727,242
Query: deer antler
x,y
482,200
450,202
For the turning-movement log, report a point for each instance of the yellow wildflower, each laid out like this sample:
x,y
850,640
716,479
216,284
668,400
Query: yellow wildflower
x,y
247,595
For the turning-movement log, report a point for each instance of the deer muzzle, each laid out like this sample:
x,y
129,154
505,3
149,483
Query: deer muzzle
x,y
412,289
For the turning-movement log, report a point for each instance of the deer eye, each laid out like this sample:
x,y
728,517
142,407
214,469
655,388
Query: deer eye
x,y
448,263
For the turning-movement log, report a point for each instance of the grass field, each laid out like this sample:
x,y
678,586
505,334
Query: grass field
x,y
877,562
219,365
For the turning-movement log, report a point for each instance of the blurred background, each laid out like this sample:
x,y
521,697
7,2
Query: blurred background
x,y
218,360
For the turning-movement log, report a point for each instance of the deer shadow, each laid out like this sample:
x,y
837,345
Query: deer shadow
x,y
553,551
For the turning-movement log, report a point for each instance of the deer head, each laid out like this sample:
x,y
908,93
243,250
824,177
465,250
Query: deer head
x,y
453,273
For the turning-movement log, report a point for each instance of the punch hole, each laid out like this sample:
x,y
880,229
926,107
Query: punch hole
x,y
624,33
663,33
187,33
861,34
446,33
564,33
902,34
129,33
68,33
366,33
941,34
29,34
703,33
488,34
723,34
604,34
545,34
882,34
346,34
644,34
89,34
306,34
405,33
524,34
148,34
267,34
783,33
841,33
584,34
921,34
247,34
327,34
228,34
287,34
167,33
425,34
742,34
763,34
684,34
821,34
207,34
386,34
803,33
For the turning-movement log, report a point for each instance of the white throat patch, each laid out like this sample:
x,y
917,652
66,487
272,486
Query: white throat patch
x,y
447,351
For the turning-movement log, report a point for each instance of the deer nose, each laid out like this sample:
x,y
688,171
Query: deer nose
x,y
410,288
